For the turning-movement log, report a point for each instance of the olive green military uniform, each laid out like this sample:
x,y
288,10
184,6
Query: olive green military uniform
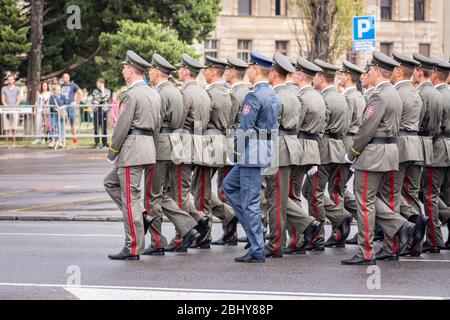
x,y
133,150
280,207
157,200
377,156
311,122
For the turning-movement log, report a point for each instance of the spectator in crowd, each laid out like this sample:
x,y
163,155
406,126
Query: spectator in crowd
x,y
10,97
101,99
73,95
42,103
115,106
58,114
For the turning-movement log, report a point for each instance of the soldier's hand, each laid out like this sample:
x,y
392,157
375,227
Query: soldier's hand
x,y
347,159
312,171
111,161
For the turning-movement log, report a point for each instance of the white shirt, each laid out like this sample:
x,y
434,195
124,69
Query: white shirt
x,y
159,84
381,83
304,87
237,83
326,88
348,89
211,84
278,85
137,81
400,82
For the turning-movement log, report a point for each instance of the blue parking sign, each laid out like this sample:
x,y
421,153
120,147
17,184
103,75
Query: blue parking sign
x,y
364,28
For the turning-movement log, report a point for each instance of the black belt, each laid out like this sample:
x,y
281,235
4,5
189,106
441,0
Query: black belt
x,y
335,136
168,130
350,134
389,140
406,133
289,132
141,132
445,134
306,135
424,134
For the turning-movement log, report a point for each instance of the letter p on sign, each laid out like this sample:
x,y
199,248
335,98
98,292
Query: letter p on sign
x,y
364,28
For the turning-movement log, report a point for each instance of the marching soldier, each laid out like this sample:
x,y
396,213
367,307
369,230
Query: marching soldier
x,y
374,154
254,144
132,151
215,135
440,74
189,142
368,88
280,207
311,122
157,201
350,75
435,156
234,75
410,151
332,151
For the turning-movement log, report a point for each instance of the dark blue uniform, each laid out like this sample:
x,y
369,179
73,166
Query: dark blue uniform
x,y
242,185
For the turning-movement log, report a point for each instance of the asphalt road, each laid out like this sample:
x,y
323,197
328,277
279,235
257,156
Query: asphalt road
x,y
42,260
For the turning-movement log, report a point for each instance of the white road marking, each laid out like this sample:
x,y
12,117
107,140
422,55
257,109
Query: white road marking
x,y
113,292
423,260
60,234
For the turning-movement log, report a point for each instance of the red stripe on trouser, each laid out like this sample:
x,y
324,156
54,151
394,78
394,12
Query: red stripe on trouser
x,y
179,186
202,190
156,237
366,214
277,217
291,187
294,238
408,196
315,186
338,235
336,187
430,206
130,211
151,170
392,204
222,194
148,202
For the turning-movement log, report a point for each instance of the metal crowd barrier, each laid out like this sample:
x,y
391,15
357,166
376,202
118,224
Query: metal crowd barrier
x,y
41,123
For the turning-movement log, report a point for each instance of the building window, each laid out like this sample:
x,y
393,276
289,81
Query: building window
x,y
419,10
245,7
424,49
281,46
281,7
351,56
212,48
386,9
386,48
244,48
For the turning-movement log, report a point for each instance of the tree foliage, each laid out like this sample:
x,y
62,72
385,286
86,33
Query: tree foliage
x,y
14,44
145,38
323,28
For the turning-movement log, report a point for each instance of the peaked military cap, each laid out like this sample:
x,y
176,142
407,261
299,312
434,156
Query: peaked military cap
x,y
383,61
235,63
211,62
260,60
162,64
326,67
405,61
282,64
307,67
190,63
136,61
351,68
424,62
441,65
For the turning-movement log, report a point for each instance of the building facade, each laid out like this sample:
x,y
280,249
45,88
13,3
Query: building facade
x,y
405,26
